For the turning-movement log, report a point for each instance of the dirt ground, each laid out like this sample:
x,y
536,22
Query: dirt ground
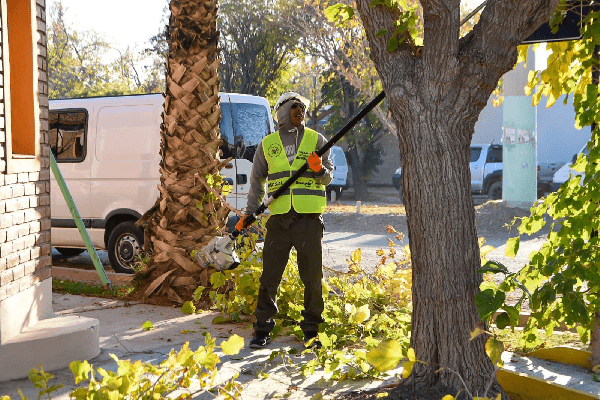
x,y
492,217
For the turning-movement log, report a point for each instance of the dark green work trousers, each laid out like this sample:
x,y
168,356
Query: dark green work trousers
x,y
304,232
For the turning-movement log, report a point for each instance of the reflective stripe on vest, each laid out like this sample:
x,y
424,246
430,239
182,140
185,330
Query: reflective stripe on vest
x,y
306,194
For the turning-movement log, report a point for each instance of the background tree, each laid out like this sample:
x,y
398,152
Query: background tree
x,y
436,88
256,46
188,212
364,150
343,49
80,63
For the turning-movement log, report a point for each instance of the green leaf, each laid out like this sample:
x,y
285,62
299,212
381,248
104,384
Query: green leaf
x,y
513,313
233,345
361,314
407,369
493,267
38,378
219,320
502,320
217,279
411,355
392,44
385,356
489,302
494,349
332,12
512,247
147,325
188,308
381,32
341,11
81,371
198,292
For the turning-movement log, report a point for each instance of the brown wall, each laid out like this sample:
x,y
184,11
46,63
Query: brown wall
x,y
25,252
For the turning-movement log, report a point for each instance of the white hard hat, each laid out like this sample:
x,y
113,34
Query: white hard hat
x,y
291,96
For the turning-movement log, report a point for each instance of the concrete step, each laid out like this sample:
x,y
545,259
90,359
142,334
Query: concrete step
x,y
53,342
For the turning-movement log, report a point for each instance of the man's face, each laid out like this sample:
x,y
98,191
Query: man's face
x,y
296,114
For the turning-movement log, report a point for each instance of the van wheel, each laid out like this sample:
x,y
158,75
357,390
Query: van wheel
x,y
124,244
495,191
339,193
69,251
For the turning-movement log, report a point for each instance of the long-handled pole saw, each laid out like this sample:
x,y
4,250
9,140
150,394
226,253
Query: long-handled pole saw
x,y
219,253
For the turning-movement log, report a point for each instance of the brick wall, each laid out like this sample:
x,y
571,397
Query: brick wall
x,y
25,252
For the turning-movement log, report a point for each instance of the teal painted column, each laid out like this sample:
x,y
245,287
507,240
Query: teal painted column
x,y
519,139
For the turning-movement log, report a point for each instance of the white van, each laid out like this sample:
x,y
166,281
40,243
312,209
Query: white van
x,y
565,172
107,149
340,174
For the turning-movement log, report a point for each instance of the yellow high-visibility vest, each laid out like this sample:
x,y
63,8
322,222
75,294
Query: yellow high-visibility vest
x,y
306,194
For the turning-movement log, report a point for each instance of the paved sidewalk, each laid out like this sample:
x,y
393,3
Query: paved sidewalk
x,y
121,334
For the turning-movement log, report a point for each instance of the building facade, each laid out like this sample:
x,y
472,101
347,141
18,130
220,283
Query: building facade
x,y
30,334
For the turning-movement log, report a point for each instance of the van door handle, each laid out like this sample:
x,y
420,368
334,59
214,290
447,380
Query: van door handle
x,y
241,179
229,166
228,181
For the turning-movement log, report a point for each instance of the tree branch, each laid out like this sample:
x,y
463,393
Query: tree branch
x,y
503,25
441,24
490,49
374,19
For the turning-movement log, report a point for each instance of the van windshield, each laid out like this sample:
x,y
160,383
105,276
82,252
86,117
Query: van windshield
x,y
243,125
338,157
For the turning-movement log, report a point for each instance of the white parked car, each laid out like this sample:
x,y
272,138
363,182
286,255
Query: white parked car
x,y
108,150
565,172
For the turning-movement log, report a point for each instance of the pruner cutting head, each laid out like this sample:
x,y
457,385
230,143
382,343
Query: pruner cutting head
x,y
219,253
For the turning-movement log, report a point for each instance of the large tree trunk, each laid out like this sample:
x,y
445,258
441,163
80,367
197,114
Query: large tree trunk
x,y
186,216
435,94
436,186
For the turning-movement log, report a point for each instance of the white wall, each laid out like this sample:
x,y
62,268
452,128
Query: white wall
x,y
558,139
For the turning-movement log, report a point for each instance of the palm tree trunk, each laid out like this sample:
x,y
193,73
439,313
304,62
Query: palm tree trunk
x,y
186,215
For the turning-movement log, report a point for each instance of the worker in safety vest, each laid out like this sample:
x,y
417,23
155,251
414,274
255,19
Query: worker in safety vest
x,y
295,219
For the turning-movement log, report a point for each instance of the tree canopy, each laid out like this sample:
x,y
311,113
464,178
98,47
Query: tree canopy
x,y
82,63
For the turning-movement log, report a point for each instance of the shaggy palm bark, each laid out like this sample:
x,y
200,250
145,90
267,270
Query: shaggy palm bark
x,y
435,95
186,215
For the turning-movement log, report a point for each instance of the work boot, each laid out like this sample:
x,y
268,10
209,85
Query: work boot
x,y
315,344
260,340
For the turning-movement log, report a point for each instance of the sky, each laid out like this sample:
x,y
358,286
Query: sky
x,y
122,22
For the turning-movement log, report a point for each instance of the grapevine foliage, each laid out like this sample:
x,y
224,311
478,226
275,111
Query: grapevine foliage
x,y
561,281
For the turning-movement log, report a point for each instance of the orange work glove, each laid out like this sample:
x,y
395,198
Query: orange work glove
x,y
240,225
314,162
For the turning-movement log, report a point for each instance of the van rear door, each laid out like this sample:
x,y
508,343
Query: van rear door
x,y
71,144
